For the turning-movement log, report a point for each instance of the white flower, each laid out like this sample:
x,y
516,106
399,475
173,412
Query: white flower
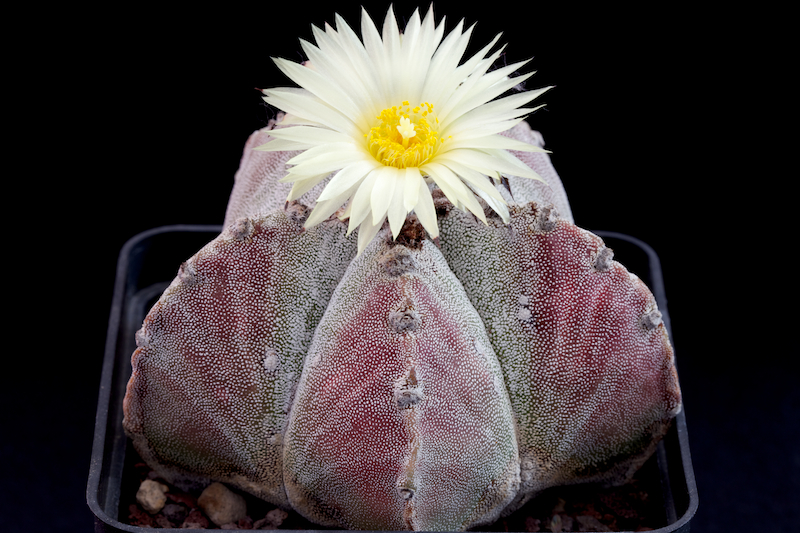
x,y
391,114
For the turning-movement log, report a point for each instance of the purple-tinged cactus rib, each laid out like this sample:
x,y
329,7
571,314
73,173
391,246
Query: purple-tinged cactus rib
x,y
220,353
587,363
401,420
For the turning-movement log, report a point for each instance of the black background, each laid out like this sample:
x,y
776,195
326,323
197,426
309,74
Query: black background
x,y
658,124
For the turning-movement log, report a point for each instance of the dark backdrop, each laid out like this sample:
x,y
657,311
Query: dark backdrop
x,y
144,114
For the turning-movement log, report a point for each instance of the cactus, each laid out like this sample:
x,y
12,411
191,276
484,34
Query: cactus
x,y
407,381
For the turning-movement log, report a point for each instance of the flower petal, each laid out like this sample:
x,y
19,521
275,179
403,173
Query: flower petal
x,y
360,206
326,208
282,145
301,187
367,232
321,87
483,187
312,136
488,129
499,207
472,70
411,191
383,190
418,69
453,188
488,164
490,141
505,108
347,177
485,90
475,179
444,62
397,211
309,107
325,158
374,48
426,211
514,161
342,59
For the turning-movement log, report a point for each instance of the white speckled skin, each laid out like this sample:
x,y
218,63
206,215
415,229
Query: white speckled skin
x,y
220,353
421,385
591,380
446,458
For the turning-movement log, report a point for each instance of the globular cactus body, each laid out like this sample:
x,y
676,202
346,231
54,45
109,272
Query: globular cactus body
x,y
418,385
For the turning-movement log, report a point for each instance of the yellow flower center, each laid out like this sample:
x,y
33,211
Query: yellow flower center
x,y
405,136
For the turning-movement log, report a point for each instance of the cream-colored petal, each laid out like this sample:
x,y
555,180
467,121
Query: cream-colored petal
x,y
373,45
413,65
411,191
360,206
444,63
484,91
293,120
499,207
490,141
480,118
383,190
346,64
359,73
483,187
418,69
391,39
326,208
303,186
311,108
312,136
488,164
425,210
488,129
346,178
475,67
323,89
367,232
327,161
477,180
378,54
453,188
397,211
512,160
282,145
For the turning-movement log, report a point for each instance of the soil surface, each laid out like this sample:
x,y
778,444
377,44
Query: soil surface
x,y
636,506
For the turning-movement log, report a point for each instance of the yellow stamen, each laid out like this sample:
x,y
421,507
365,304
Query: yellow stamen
x,y
403,137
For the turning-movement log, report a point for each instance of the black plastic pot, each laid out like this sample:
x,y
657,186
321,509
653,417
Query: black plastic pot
x,y
149,261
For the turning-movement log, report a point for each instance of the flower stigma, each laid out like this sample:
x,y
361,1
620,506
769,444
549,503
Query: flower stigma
x,y
404,136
